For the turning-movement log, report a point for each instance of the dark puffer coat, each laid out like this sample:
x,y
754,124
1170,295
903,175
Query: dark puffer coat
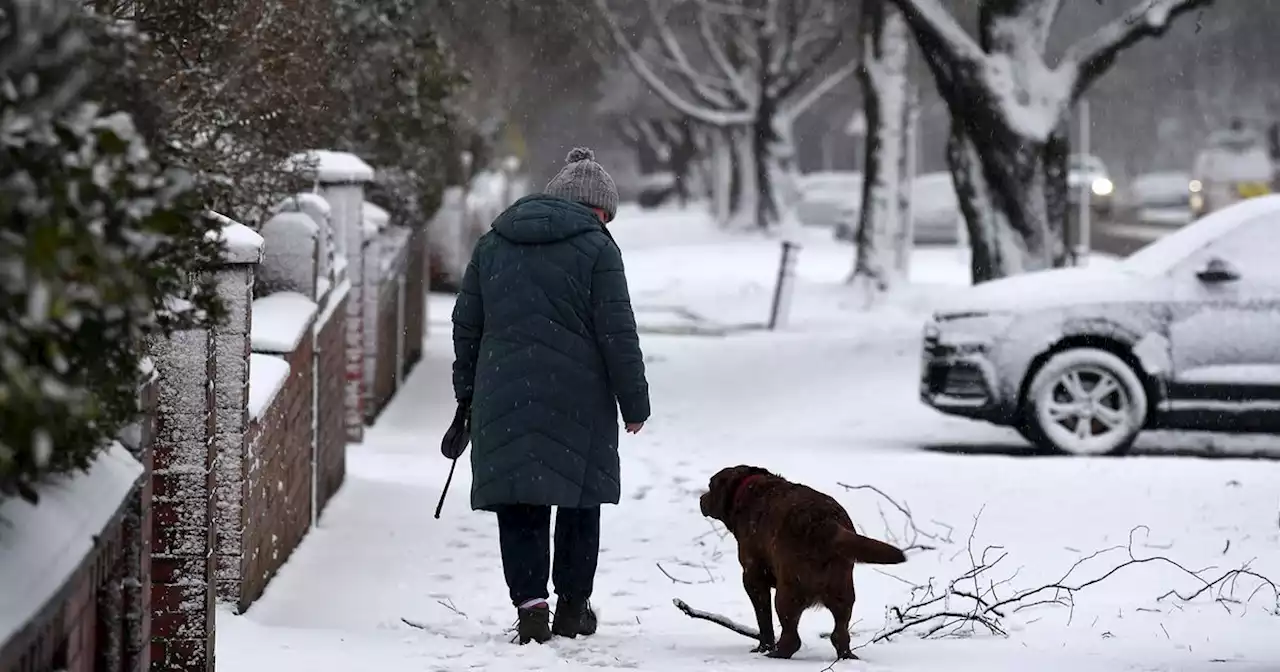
x,y
546,348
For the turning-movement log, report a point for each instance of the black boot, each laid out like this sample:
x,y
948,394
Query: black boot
x,y
533,624
573,618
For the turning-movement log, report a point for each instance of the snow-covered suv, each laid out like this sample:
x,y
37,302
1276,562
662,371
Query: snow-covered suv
x,y
1182,334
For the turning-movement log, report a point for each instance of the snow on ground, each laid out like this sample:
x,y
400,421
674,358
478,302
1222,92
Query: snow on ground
x,y
832,399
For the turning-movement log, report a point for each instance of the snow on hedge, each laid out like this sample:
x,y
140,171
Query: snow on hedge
x,y
331,167
301,202
42,546
279,321
267,376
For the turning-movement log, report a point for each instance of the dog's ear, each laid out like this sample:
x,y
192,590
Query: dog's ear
x,y
724,487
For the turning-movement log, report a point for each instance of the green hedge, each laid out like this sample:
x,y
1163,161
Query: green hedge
x,y
100,248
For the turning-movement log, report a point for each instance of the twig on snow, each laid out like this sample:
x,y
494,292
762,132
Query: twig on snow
x,y
934,606
910,539
448,604
683,581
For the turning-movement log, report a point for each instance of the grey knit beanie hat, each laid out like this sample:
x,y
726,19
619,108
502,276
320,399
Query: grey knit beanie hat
x,y
583,181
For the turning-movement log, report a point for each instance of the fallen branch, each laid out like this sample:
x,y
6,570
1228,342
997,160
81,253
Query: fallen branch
x,y
724,621
912,534
972,601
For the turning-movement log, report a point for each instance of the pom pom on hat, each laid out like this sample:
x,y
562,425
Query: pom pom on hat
x,y
580,154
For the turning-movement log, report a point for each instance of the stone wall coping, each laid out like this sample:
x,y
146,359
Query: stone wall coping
x,y
267,376
279,322
43,545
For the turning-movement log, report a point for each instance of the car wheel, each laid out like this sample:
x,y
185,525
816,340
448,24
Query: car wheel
x,y
1085,401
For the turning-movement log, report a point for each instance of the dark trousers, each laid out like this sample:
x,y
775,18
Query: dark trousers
x,y
524,533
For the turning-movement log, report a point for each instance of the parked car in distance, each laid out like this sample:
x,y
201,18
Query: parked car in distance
x,y
825,195
1162,197
1234,165
935,211
1086,171
1179,335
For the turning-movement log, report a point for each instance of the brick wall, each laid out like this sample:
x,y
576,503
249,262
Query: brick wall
x,y
79,630
388,332
277,479
182,507
415,301
331,440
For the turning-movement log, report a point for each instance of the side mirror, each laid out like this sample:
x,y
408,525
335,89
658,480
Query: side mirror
x,y
1217,271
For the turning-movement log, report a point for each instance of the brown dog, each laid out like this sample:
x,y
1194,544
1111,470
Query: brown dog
x,y
797,540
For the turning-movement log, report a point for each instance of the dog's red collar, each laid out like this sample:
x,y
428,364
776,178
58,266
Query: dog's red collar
x,y
742,487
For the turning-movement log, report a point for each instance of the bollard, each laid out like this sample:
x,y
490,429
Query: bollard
x,y
785,284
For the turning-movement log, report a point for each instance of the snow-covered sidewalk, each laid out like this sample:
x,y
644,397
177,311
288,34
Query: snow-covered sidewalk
x,y
830,400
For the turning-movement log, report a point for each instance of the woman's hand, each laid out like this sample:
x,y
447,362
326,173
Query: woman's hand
x,y
634,427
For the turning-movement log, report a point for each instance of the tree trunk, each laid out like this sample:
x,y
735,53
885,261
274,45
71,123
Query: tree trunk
x,y
765,168
1057,192
722,171
883,79
684,154
784,172
998,248
904,237
746,202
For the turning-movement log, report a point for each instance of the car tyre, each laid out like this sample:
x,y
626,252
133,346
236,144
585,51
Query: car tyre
x,y
1085,402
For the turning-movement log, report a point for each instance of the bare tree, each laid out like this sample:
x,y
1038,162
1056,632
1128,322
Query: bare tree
x,y
882,217
751,69
1009,105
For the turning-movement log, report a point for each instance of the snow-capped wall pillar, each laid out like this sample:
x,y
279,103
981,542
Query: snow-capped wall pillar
x,y
341,178
291,259
235,279
182,508
318,209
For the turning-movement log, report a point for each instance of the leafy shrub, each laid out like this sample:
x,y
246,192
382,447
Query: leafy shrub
x,y
101,247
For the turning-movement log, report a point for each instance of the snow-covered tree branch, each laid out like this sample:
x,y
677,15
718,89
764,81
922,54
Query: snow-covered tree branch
x,y
757,66
1094,55
1009,107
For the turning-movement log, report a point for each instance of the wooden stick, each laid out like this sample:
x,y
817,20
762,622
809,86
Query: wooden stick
x,y
745,631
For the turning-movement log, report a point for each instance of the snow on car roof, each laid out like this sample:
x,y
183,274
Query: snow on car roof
x,y
1158,257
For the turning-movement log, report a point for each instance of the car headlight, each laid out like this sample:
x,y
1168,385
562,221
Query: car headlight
x,y
1102,187
971,330
1195,186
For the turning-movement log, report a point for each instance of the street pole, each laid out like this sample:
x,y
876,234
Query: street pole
x,y
1083,241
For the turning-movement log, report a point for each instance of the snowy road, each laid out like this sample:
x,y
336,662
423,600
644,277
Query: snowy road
x,y
831,400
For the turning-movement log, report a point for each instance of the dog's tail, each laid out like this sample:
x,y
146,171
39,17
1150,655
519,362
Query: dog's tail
x,y
858,548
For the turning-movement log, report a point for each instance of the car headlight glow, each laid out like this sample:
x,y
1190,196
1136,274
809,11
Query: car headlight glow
x,y
972,330
1102,186
1195,186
